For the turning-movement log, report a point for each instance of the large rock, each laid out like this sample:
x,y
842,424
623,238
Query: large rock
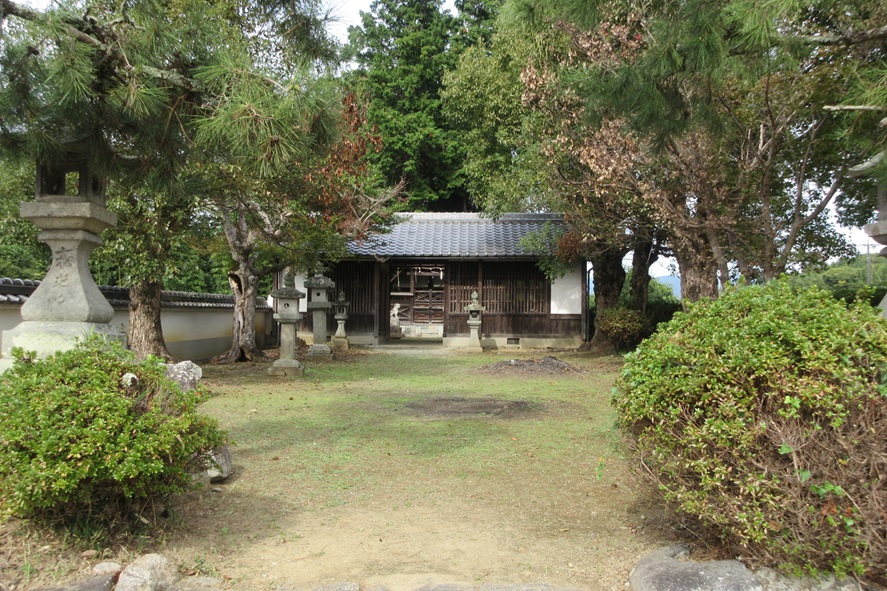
x,y
774,581
95,583
186,374
151,572
220,465
662,571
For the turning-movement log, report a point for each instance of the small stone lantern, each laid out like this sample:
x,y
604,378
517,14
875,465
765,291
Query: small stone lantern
x,y
475,310
319,306
288,316
341,305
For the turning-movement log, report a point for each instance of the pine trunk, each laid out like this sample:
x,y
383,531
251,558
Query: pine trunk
x,y
145,331
243,346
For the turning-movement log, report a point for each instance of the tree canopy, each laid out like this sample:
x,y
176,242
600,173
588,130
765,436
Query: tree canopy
x,y
403,49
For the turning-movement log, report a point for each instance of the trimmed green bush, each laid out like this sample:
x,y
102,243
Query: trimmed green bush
x,y
81,439
764,415
624,327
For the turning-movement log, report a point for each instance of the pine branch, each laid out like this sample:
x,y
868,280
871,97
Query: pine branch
x,y
77,27
9,8
855,108
851,38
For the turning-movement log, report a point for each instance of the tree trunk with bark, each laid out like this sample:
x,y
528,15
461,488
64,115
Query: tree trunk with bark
x,y
609,277
699,269
641,260
145,331
244,284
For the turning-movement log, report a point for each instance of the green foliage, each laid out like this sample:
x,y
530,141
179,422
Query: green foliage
x,y
763,414
623,327
543,244
846,280
403,49
503,168
21,254
78,443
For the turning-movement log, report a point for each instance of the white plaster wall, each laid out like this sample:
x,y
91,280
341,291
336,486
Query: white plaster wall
x,y
10,317
566,292
190,333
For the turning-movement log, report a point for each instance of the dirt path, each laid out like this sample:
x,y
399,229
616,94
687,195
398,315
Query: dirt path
x,y
407,522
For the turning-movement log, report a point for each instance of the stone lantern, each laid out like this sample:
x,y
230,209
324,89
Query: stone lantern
x,y
341,305
319,306
68,304
475,311
288,316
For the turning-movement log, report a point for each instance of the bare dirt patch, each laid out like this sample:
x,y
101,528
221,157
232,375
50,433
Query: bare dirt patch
x,y
547,365
472,407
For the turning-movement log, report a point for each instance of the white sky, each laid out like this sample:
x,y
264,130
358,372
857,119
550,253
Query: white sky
x,y
348,14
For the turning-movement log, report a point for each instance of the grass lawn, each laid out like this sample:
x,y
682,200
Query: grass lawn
x,y
403,469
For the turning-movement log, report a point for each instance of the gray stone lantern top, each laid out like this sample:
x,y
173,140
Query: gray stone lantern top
x,y
287,301
342,305
288,291
474,308
319,281
52,177
320,287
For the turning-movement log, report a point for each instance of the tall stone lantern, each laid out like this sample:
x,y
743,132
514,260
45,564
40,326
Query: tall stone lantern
x,y
341,305
319,306
288,316
68,304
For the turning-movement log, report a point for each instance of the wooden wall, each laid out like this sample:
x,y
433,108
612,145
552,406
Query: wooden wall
x,y
516,294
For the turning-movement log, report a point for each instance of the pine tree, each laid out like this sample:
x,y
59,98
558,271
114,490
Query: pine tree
x,y
146,91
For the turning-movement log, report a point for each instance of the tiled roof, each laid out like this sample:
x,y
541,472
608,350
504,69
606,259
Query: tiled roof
x,y
16,291
455,235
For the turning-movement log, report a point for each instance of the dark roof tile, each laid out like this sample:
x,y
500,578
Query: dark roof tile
x,y
455,235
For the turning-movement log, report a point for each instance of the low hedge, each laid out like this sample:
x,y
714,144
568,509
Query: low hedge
x,y
93,433
764,415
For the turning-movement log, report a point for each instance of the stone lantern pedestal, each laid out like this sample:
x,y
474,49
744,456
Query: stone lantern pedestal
x,y
288,316
67,305
319,306
340,339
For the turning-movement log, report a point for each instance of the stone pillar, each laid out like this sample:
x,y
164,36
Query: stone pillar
x,y
68,304
288,316
340,339
319,306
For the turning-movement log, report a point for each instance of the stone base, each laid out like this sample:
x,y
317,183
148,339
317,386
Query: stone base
x,y
319,350
340,343
466,344
286,367
47,337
